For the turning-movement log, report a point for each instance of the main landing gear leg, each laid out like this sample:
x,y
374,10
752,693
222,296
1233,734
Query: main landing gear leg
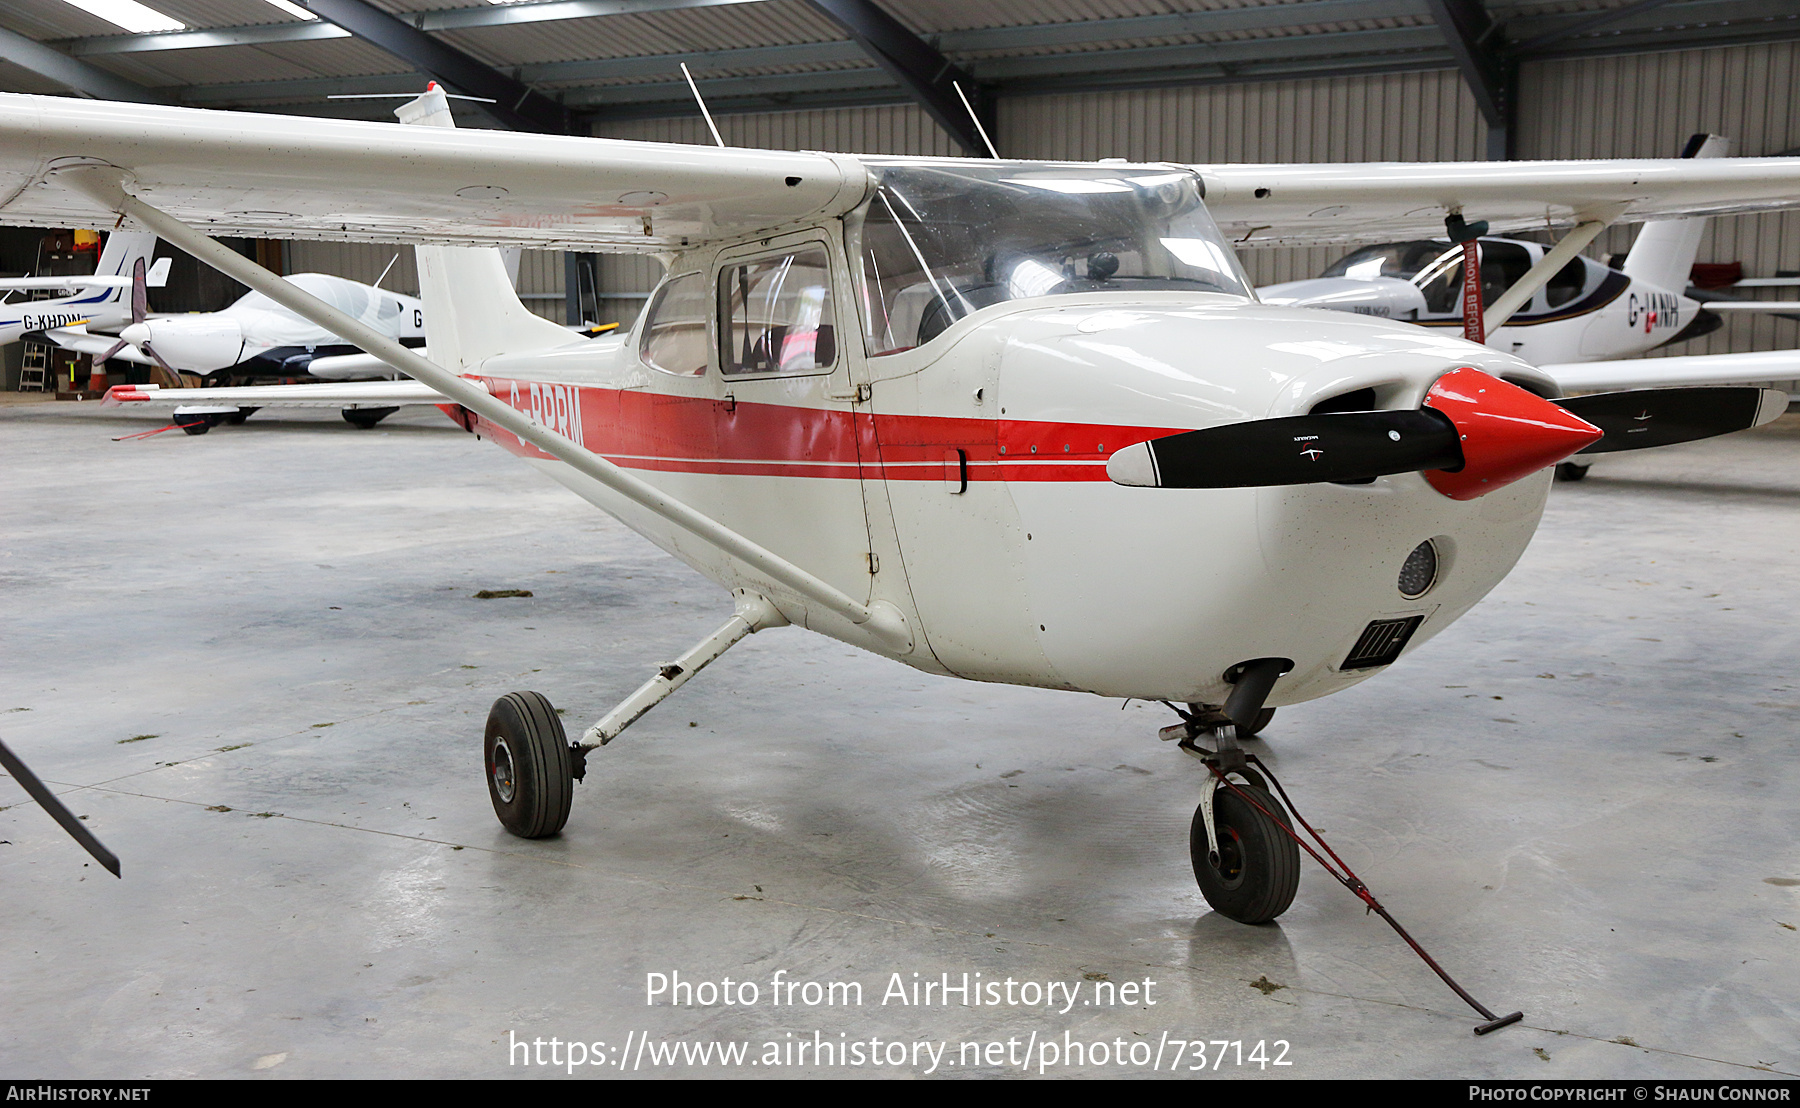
x,y
531,764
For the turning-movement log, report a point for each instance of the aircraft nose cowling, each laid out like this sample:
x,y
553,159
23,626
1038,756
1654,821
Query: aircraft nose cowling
x,y
1505,432
197,345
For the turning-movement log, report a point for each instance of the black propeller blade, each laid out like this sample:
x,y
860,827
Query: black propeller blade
x,y
1297,450
1642,418
10,762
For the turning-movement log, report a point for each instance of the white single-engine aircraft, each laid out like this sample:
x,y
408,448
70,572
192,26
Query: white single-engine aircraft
x,y
255,336
101,299
1006,421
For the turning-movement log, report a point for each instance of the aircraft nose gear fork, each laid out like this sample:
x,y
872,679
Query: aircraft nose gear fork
x,y
531,765
1249,870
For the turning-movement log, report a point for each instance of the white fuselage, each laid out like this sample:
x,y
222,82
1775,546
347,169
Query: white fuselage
x,y
1038,570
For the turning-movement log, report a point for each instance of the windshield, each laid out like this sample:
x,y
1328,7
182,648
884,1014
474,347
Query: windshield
x,y
1395,259
1435,266
941,241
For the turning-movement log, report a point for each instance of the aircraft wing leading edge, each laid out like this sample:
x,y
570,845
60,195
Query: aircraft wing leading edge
x,y
1693,369
293,177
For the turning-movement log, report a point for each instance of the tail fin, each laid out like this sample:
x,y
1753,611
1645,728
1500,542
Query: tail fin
x,y
1665,249
472,311
124,249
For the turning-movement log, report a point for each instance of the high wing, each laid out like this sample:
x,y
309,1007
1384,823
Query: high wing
x,y
1293,205
338,394
1693,369
293,177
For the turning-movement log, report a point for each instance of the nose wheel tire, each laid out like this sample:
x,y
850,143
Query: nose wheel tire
x,y
1262,720
1257,870
530,776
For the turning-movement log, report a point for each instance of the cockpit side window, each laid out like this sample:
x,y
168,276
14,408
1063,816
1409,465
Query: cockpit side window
x,y
1568,283
775,315
1502,264
674,332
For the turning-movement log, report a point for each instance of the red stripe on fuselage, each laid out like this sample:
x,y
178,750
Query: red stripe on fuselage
x,y
682,434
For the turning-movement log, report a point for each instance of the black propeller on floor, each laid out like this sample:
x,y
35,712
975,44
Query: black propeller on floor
x,y
47,799
1495,424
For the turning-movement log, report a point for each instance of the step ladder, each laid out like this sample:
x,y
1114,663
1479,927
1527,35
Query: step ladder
x,y
34,367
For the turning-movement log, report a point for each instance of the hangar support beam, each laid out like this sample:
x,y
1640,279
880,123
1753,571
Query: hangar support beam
x,y
927,75
516,106
1492,78
73,73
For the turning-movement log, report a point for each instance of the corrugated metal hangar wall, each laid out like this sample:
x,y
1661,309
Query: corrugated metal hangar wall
x,y
1643,105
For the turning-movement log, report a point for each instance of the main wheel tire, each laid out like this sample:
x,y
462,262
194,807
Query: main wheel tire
x,y
237,418
526,758
1258,870
366,418
1572,471
195,426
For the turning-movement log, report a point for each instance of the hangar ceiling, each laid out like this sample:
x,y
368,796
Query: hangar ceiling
x,y
564,64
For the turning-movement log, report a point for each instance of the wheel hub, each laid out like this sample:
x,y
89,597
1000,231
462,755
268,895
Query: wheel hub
x,y
502,771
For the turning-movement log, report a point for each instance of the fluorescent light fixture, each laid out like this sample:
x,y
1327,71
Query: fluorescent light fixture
x,y
294,10
130,14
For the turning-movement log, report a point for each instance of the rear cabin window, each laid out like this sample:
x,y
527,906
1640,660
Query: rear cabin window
x,y
674,337
776,316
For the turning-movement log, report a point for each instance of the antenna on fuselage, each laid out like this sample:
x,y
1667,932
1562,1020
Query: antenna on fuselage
x,y
698,99
979,129
384,272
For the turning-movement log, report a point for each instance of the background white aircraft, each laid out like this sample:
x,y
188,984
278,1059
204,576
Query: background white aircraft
x,y
254,337
1583,326
100,300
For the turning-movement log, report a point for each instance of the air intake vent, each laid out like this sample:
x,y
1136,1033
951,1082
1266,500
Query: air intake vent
x,y
1381,642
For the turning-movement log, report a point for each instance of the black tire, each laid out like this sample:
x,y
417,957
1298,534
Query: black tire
x,y
525,756
1256,726
237,418
1259,865
196,426
1572,471
366,418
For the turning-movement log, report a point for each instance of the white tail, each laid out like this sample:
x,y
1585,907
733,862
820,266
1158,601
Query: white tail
x,y
1664,252
472,311
123,249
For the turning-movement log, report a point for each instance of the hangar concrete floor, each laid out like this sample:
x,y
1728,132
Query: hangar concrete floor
x,y
253,662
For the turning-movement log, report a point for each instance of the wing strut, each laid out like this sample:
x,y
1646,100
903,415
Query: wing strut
x,y
1539,275
104,184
